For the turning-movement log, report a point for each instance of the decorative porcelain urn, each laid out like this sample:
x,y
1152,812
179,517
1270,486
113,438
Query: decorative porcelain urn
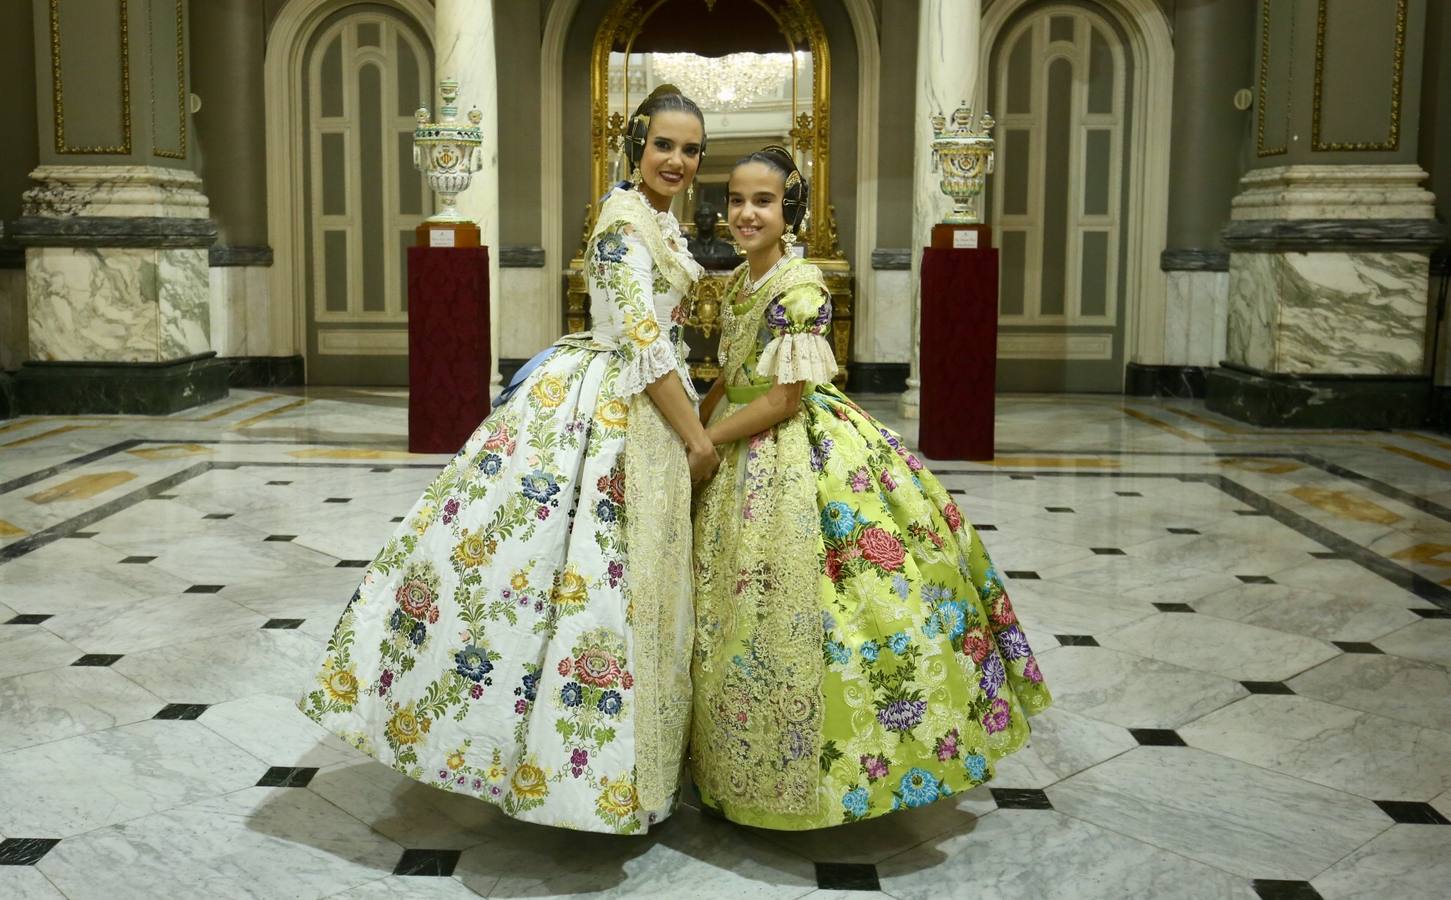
x,y
963,153
448,151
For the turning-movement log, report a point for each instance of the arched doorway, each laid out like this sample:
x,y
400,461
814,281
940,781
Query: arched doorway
x,y
364,74
343,80
1079,198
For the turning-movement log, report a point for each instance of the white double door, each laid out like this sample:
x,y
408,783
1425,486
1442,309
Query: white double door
x,y
1060,82
364,73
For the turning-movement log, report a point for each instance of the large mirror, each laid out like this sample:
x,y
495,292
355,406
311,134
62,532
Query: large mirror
x,y
749,99
757,68
760,71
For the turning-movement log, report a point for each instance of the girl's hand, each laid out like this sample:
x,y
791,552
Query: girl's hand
x,y
703,463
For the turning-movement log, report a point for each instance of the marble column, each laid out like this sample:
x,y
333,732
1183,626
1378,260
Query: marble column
x,y
1213,58
116,231
1331,231
947,51
464,50
228,38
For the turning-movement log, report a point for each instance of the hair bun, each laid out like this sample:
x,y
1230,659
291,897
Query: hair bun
x,y
663,88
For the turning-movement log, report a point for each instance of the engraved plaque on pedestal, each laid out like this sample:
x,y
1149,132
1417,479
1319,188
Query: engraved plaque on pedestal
x,y
448,234
962,237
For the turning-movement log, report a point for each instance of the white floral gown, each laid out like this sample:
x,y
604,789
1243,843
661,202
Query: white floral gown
x,y
525,635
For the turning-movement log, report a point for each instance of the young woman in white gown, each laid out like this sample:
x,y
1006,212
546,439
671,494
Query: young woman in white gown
x,y
525,635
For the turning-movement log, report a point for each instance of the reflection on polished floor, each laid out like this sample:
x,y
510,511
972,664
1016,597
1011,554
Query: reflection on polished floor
x,y
1248,634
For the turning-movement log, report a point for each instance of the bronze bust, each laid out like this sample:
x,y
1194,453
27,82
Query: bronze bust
x,y
709,250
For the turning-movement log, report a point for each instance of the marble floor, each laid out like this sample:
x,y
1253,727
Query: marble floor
x,y
1248,633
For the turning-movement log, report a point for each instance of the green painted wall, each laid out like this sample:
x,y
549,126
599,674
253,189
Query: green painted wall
x,y
228,51
896,114
19,152
1346,58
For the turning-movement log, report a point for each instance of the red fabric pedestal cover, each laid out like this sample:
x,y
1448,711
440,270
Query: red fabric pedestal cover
x,y
448,346
959,353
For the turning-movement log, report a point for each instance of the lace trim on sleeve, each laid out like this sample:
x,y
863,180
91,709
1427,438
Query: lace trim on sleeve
x,y
790,358
645,366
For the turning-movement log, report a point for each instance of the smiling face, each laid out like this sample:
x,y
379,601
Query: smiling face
x,y
756,216
672,156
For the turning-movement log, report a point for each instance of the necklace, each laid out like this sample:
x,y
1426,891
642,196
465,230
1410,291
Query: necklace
x,y
758,283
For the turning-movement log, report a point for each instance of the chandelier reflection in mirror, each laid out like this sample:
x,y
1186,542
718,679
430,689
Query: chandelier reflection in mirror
x,y
760,71
730,82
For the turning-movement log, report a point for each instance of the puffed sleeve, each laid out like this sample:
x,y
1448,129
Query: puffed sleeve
x,y
621,269
799,321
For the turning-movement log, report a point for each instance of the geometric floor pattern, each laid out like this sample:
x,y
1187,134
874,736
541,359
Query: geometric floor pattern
x,y
1247,633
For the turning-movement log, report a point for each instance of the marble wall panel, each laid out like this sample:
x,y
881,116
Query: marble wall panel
x,y
182,298
258,313
1252,310
889,338
1351,313
92,305
525,312
1219,337
1342,313
1178,305
14,331
228,315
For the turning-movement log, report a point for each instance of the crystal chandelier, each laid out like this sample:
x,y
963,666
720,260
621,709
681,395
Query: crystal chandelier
x,y
723,83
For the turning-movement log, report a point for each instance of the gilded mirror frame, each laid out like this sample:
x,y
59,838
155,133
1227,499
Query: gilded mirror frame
x,y
800,25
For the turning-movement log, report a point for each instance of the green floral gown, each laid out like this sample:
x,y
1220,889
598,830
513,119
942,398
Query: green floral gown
x,y
524,637
856,652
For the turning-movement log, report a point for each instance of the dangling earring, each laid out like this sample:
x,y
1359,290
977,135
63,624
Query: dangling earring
x,y
636,177
789,240
690,193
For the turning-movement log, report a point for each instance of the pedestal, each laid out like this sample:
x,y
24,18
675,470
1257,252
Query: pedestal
x,y
959,353
448,346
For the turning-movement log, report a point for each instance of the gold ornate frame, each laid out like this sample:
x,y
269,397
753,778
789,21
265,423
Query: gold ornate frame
x,y
800,27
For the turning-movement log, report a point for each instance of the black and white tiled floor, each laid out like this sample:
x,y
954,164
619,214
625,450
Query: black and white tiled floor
x,y
1246,631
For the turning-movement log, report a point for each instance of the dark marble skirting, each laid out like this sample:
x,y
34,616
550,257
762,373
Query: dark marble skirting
x,y
148,389
1184,382
1193,259
9,397
1275,400
224,255
1441,408
1333,235
113,231
892,258
876,378
264,371
521,256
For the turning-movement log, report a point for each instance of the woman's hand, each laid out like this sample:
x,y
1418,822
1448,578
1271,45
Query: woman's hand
x,y
703,462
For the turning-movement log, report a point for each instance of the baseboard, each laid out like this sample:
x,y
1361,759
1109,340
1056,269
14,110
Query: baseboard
x,y
1184,382
117,388
264,371
1275,400
1441,408
9,397
876,378
507,367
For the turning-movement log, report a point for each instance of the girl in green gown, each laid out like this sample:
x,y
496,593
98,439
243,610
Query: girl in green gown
x,y
856,652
